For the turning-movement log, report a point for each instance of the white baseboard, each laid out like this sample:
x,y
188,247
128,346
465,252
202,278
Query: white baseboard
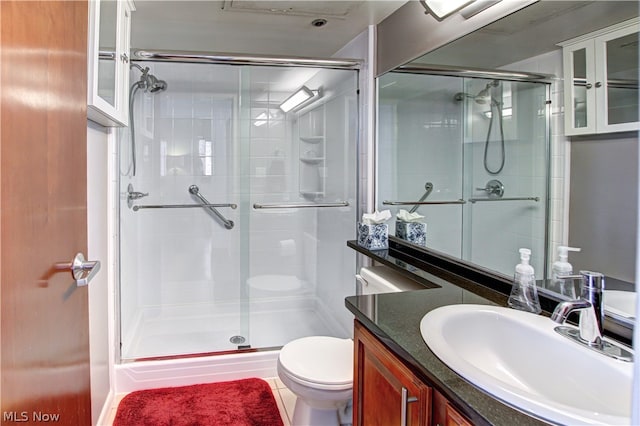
x,y
105,413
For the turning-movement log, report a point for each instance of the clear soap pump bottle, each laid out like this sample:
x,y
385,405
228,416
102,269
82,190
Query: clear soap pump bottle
x,y
524,295
562,267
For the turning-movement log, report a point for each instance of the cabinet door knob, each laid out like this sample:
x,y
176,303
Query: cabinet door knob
x,y
406,399
598,84
124,58
589,86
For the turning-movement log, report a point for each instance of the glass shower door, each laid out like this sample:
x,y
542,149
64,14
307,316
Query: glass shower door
x,y
179,262
301,206
506,167
420,131
189,281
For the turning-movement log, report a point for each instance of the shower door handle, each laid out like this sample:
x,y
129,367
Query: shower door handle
x,y
82,270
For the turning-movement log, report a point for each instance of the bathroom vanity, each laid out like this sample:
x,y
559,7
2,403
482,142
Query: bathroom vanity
x,y
397,378
389,390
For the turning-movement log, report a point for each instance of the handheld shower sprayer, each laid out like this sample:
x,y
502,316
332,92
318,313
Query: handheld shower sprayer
x,y
150,84
483,97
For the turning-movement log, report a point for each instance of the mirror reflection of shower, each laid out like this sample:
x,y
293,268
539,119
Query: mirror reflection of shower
x,y
483,97
149,83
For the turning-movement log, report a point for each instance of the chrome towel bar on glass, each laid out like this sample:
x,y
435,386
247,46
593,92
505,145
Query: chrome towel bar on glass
x,y
181,206
474,200
300,205
203,203
420,203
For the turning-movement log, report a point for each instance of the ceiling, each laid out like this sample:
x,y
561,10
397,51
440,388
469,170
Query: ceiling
x,y
282,28
529,32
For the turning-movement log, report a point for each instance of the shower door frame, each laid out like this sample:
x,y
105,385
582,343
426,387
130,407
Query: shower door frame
x,y
157,56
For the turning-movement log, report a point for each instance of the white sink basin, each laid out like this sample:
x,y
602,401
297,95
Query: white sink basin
x,y
518,358
622,303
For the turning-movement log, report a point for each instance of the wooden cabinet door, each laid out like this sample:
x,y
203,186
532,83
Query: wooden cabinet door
x,y
384,387
444,414
43,215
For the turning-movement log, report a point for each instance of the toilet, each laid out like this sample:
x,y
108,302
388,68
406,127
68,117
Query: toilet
x,y
319,369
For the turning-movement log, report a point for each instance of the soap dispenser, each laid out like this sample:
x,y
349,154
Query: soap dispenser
x,y
524,295
562,267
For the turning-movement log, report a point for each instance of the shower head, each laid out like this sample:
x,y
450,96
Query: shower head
x,y
461,96
154,85
482,97
149,82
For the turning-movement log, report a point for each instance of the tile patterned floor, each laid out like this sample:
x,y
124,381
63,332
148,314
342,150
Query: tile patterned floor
x,y
285,399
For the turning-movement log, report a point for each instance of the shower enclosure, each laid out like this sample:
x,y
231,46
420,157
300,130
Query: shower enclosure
x,y
235,207
474,153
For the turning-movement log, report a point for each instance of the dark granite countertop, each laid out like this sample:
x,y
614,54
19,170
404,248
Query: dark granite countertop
x,y
396,322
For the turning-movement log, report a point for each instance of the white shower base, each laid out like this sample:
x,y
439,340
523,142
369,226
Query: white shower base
x,y
142,375
184,330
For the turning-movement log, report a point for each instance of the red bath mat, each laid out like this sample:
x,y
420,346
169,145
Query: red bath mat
x,y
247,402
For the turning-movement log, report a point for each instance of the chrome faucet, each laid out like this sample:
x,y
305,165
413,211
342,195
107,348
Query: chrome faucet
x,y
590,305
591,322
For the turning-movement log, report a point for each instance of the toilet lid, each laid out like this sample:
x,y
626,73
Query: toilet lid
x,y
319,359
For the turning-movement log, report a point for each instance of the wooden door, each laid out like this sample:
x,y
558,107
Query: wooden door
x,y
45,329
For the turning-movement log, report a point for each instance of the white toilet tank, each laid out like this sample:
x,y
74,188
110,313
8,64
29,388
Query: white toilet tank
x,y
382,279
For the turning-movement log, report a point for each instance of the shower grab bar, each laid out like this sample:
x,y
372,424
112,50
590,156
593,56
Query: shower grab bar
x,y
299,206
421,203
181,206
475,200
428,188
195,191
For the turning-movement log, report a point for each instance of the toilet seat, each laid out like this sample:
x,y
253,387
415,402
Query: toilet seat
x,y
319,362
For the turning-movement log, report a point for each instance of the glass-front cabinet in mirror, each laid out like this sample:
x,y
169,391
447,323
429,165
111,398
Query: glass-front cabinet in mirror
x,y
108,61
601,80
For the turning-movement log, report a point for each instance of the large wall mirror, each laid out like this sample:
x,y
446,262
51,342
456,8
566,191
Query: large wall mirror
x,y
471,136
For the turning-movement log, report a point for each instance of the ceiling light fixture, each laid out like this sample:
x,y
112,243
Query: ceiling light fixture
x,y
440,9
299,97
